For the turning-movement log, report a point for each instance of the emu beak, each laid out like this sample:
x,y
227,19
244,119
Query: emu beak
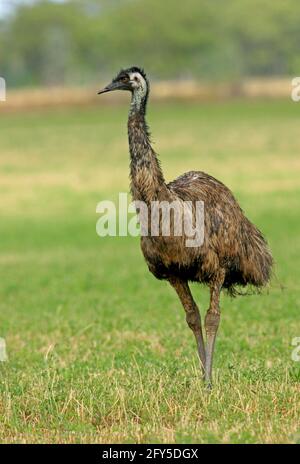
x,y
109,88
103,91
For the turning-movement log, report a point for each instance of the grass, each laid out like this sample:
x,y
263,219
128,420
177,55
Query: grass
x,y
98,350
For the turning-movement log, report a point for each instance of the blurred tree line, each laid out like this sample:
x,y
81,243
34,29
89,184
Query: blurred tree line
x,y
80,41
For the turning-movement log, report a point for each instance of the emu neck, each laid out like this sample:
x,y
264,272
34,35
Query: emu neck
x,y
147,179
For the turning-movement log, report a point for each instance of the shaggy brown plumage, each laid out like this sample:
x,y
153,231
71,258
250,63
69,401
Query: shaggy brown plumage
x,y
234,252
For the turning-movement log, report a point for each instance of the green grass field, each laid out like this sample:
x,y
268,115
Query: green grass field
x,y
98,350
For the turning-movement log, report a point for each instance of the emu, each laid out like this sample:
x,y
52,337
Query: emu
x,y
234,253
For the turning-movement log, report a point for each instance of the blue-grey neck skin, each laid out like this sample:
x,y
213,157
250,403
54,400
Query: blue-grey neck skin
x,y
139,101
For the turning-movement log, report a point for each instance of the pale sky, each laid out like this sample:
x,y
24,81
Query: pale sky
x,y
7,6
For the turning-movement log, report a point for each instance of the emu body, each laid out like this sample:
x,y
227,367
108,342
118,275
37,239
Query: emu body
x,y
234,252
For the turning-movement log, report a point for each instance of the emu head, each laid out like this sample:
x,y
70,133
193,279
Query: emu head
x,y
132,79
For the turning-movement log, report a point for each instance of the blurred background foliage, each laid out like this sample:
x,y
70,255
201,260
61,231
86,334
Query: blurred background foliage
x,y
78,42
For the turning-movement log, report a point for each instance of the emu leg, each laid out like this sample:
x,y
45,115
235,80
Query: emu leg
x,y
192,315
212,320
